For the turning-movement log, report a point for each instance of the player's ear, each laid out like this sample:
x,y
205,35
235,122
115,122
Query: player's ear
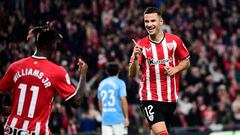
x,y
161,20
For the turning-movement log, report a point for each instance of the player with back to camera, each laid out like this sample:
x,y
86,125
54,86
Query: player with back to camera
x,y
33,82
161,57
113,103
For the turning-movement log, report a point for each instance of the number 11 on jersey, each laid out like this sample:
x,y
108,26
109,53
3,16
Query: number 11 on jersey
x,y
23,90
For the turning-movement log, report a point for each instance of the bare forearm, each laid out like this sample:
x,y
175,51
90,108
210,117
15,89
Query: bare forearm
x,y
125,109
133,69
184,64
81,87
77,99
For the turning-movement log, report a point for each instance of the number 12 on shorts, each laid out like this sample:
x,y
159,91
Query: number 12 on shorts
x,y
149,113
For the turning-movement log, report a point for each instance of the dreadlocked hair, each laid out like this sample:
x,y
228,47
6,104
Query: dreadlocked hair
x,y
44,35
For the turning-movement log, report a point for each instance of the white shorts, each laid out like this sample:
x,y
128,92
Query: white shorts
x,y
117,129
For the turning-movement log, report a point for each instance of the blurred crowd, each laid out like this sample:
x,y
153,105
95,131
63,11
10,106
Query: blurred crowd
x,y
99,31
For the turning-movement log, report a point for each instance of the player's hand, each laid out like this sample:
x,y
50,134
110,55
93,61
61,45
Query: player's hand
x,y
126,122
170,70
82,66
137,50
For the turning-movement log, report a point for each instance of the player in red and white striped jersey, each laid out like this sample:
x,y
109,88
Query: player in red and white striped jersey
x,y
33,82
161,57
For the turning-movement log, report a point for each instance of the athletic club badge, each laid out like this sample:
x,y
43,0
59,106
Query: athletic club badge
x,y
171,45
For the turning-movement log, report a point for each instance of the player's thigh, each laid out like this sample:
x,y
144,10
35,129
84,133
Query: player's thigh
x,y
118,129
107,130
156,112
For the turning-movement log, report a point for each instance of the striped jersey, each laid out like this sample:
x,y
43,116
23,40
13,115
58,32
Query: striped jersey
x,y
33,82
155,84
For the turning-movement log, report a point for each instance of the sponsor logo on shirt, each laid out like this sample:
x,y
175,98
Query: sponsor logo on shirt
x,y
156,62
109,109
15,131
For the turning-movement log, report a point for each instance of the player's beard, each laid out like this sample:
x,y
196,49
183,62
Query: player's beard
x,y
153,32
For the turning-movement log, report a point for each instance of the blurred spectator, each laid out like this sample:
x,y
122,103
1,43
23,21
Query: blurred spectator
x,y
208,116
223,95
89,119
194,116
224,115
179,119
236,109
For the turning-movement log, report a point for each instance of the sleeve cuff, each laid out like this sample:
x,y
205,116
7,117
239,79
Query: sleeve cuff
x,y
69,97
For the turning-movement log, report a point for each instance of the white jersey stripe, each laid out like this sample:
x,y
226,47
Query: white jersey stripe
x,y
25,125
14,122
157,71
174,64
149,94
165,51
47,130
141,84
37,128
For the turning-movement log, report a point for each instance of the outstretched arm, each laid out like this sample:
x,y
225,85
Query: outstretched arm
x,y
77,98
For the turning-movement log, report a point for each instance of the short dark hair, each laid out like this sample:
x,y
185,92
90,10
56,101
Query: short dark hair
x,y
112,68
150,10
44,35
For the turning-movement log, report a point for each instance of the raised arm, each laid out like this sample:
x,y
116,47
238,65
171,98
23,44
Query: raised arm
x,y
133,67
77,98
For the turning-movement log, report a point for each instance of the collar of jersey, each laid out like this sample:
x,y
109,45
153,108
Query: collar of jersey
x,y
39,57
157,42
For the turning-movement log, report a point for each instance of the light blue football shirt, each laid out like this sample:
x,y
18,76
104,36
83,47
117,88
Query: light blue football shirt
x,y
110,91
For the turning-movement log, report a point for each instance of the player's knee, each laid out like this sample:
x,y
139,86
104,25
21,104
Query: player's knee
x,y
159,128
165,132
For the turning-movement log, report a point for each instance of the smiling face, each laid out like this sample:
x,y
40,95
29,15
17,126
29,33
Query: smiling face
x,y
153,23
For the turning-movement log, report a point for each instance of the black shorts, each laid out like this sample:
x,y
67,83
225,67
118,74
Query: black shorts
x,y
156,111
